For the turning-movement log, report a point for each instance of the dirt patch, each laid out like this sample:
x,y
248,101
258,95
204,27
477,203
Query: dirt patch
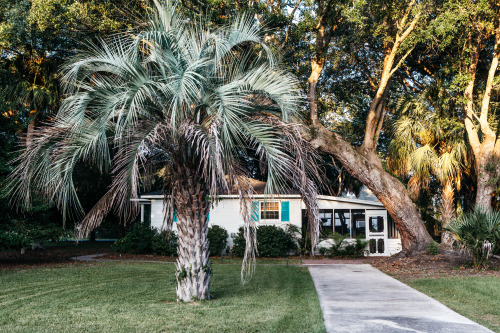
x,y
446,264
50,255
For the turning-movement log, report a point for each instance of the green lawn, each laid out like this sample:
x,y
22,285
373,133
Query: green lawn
x,y
139,297
475,297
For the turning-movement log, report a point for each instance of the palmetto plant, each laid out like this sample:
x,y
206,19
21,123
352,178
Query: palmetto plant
x,y
177,100
477,233
428,144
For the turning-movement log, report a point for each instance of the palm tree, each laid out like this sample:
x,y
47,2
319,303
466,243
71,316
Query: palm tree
x,y
428,144
183,102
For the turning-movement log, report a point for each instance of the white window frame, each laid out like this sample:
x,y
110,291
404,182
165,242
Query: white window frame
x,y
261,210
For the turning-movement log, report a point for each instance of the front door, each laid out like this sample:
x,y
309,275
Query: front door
x,y
376,222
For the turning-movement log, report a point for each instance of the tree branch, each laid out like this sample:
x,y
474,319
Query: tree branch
x,y
289,27
400,62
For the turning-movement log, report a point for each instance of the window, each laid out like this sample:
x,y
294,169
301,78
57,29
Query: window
x,y
392,229
342,221
358,228
270,210
147,214
326,216
376,224
350,222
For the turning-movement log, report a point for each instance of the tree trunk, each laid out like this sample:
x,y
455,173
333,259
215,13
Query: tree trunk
x,y
316,69
193,264
364,163
485,183
388,189
447,212
484,150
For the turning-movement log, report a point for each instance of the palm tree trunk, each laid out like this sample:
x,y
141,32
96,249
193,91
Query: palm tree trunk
x,y
193,264
447,212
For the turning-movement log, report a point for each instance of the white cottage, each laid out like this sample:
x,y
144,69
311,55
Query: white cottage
x,y
347,216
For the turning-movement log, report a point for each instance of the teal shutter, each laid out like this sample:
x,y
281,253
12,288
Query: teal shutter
x,y
255,210
285,211
175,214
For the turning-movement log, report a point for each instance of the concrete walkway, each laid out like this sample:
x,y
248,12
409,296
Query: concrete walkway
x,y
360,298
90,257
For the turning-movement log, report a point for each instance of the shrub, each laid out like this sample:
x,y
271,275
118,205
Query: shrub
x,y
272,241
478,234
217,238
337,241
355,249
164,243
433,248
239,244
21,231
137,241
340,249
303,238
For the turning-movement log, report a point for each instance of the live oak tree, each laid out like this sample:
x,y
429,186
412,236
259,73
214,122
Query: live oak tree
x,y
181,101
479,45
468,33
393,28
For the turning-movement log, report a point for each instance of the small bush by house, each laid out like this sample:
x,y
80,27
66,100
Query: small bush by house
x,y
164,243
340,248
137,241
272,241
142,239
217,238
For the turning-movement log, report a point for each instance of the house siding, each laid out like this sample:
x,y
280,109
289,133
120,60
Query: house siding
x,y
226,213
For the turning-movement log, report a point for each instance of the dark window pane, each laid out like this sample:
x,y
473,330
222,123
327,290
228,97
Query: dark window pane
x,y
326,216
376,223
270,215
391,228
304,219
342,221
380,246
373,245
147,214
380,222
358,223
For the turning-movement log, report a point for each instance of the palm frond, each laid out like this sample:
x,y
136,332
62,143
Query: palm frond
x,y
172,98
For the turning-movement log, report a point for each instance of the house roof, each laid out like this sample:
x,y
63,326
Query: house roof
x,y
258,186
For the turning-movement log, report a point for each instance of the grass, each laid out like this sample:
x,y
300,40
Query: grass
x,y
475,297
139,297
